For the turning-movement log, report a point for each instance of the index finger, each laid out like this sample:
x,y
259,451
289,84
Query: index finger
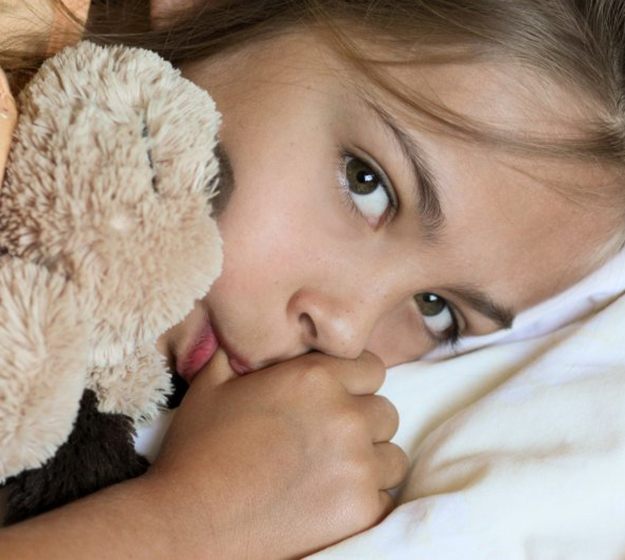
x,y
362,376
8,117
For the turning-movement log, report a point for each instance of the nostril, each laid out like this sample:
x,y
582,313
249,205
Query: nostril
x,y
309,325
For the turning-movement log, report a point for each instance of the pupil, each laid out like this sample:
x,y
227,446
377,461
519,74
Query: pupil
x,y
361,179
431,304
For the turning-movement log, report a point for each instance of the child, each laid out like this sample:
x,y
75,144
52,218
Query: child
x,y
398,175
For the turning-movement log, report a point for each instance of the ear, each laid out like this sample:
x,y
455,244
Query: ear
x,y
162,11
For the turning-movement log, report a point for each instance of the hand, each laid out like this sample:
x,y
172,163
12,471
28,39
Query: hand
x,y
283,461
8,117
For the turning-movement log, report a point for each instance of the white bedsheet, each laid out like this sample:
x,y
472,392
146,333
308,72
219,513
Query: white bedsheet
x,y
517,445
517,449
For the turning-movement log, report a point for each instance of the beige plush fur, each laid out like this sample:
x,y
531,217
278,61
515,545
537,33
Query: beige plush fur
x,y
140,375
43,361
105,215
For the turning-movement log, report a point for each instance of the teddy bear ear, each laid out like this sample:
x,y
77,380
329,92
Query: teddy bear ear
x,y
180,129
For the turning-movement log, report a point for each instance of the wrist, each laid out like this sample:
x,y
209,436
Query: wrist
x,y
187,516
121,521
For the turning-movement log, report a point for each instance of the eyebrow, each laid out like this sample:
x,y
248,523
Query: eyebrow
x,y
433,219
426,185
502,315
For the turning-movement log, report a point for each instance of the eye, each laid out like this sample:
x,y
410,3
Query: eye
x,y
438,316
366,189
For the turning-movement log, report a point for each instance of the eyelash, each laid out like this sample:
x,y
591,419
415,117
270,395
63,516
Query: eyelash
x,y
452,336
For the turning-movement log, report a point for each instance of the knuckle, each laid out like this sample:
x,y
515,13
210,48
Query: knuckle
x,y
376,368
388,411
360,475
316,376
375,360
401,460
349,421
376,363
397,462
385,505
363,505
385,406
313,359
372,509
367,516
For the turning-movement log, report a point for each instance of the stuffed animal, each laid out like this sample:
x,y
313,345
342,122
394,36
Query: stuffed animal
x,y
106,241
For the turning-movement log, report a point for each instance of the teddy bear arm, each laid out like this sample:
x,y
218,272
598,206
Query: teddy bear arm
x,y
42,364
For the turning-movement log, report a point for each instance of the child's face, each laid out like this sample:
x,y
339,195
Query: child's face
x,y
318,256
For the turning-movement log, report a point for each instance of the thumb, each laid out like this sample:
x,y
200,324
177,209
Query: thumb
x,y
216,371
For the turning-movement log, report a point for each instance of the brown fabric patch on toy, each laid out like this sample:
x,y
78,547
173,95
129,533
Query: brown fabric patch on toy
x,y
180,389
99,452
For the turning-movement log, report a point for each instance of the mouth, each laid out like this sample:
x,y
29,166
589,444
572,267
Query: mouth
x,y
202,349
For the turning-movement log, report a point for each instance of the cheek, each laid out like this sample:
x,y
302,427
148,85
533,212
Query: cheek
x,y
399,336
284,219
265,245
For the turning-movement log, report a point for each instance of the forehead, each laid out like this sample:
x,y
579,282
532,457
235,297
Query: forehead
x,y
508,230
519,223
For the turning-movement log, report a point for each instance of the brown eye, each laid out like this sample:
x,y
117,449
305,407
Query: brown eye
x,y
438,315
361,179
430,304
367,190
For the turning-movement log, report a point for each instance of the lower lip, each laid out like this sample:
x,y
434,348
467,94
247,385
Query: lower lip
x,y
201,352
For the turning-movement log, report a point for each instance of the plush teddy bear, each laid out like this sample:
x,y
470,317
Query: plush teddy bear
x,y
106,241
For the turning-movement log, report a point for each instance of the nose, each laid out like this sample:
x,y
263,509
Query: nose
x,y
336,327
